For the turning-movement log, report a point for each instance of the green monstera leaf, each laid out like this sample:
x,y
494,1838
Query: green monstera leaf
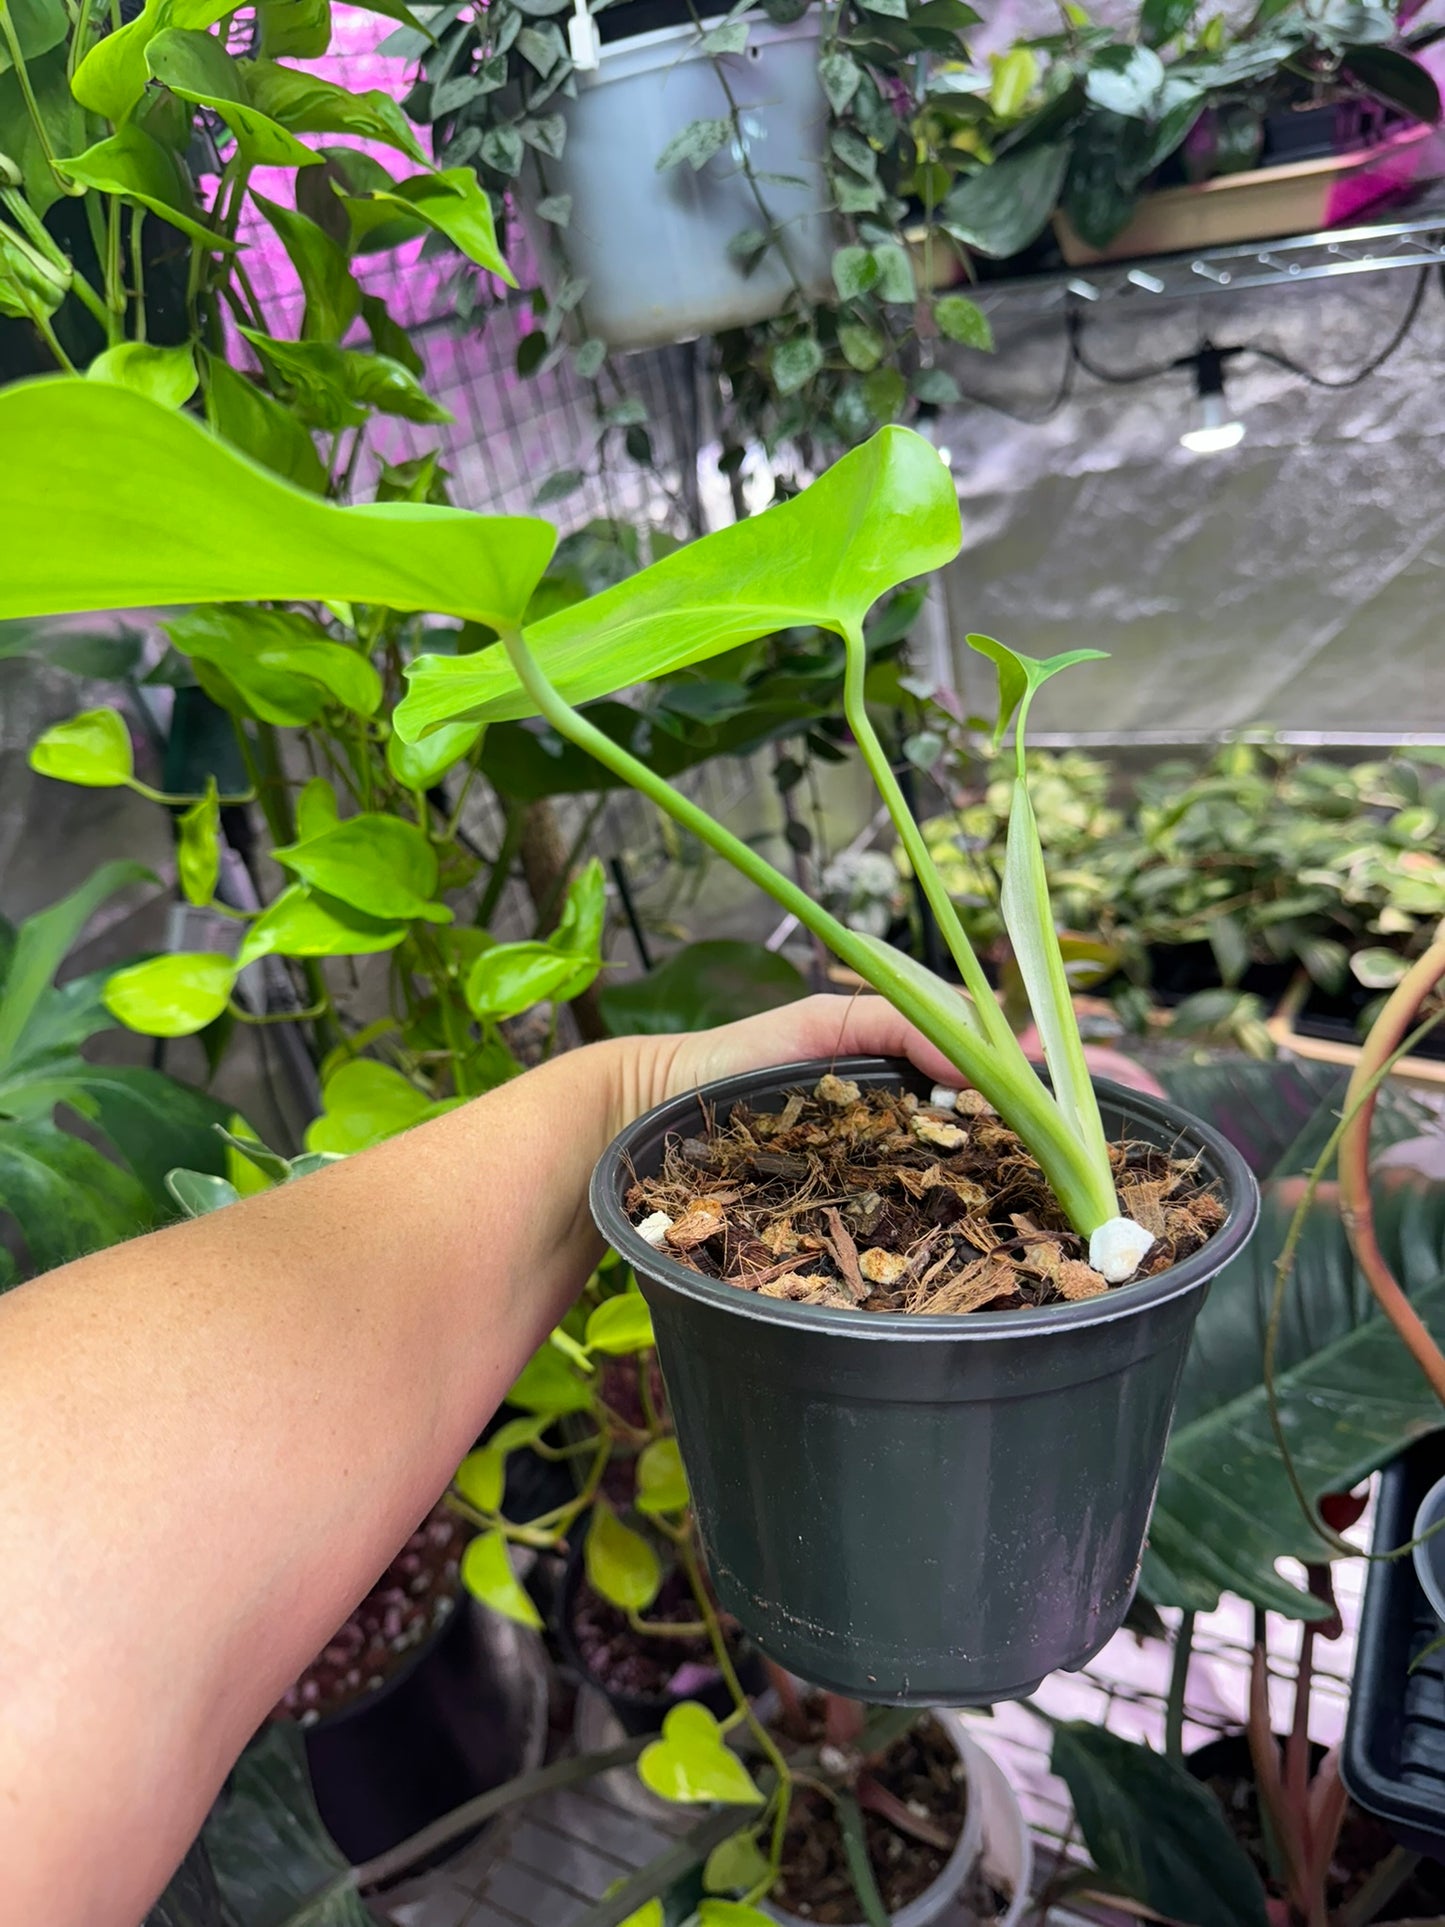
x,y
884,513
63,1194
172,515
1350,1397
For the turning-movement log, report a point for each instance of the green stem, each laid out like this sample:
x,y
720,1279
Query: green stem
x,y
991,1019
137,271
32,105
1178,1683
52,341
114,280
79,40
1008,1082
502,869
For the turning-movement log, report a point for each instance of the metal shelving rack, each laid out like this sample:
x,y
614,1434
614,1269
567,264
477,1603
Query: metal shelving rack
x,y
1413,238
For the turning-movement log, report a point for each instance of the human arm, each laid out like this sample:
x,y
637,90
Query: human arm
x,y
213,1439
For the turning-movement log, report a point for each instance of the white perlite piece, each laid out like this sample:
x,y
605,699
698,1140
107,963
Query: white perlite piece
x,y
654,1229
1117,1249
938,1132
942,1098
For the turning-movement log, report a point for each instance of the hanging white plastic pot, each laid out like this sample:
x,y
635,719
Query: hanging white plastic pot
x,y
653,246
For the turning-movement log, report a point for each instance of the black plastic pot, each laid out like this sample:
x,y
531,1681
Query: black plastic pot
x,y
1393,1760
921,1510
461,1718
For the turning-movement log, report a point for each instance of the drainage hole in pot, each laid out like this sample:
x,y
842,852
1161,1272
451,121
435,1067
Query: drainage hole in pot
x,y
870,1200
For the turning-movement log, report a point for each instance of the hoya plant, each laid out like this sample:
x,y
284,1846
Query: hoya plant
x,y
886,513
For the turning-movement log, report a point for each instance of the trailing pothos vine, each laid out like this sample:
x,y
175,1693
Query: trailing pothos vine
x,y
834,363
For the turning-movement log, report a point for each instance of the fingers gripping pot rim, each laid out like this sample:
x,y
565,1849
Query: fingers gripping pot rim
x,y
931,1510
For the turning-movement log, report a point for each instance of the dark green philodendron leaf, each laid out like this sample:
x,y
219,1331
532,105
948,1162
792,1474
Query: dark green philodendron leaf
x,y
233,533
274,1861
1005,205
1350,1396
381,865
884,513
1155,1832
66,1196
196,67
701,985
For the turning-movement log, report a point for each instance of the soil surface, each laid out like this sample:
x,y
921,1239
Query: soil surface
x,y
874,1201
413,1596
922,1770
1364,1842
622,1660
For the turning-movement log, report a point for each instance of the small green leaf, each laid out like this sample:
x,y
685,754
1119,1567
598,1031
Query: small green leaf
x,y
696,144
316,808
378,864
963,320
1014,75
240,412
692,1765
855,272
1378,968
1005,205
307,104
196,68
650,1914
737,1866
661,1482
481,1478
619,1325
794,363
198,1192
454,203
511,977
841,77
420,765
307,923
895,273
621,1564
171,996
166,375
487,1574
198,847
91,749
548,1385
283,667
862,348
332,295
363,1103
732,1913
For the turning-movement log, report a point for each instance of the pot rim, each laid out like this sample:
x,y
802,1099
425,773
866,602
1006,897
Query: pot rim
x,y
1124,1301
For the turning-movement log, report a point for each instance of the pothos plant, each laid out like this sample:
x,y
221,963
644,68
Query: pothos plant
x,y
592,1394
494,87
128,152
885,513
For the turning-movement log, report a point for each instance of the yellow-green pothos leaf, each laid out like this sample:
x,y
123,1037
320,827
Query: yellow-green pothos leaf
x,y
691,1763
420,765
621,1564
307,923
171,996
661,1483
481,1477
380,865
265,653
91,749
364,1102
198,847
621,1324
196,67
112,77
548,1385
487,1575
165,375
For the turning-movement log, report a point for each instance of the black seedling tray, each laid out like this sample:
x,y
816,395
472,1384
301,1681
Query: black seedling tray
x,y
1394,1753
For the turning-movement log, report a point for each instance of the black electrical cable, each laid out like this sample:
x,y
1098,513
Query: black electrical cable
x,y
1062,395
1397,340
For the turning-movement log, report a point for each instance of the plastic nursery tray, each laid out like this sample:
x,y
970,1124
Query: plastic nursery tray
x,y
1394,1754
